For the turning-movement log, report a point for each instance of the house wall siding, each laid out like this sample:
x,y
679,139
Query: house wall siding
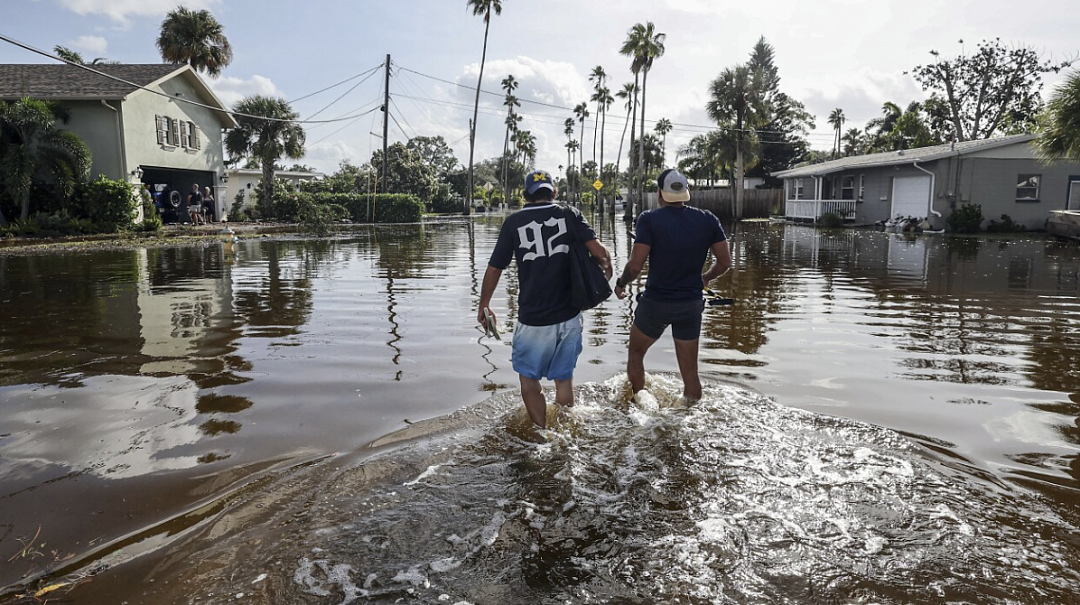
x,y
992,184
140,130
96,125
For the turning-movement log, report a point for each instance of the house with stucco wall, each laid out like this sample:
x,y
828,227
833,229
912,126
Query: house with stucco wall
x,y
155,124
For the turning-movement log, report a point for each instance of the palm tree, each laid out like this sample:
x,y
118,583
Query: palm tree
x,y
736,100
596,76
852,141
836,119
509,84
484,8
604,100
644,44
629,94
71,56
1059,135
196,38
662,128
30,143
267,138
581,110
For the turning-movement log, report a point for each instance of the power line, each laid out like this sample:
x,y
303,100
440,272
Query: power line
x,y
335,85
162,94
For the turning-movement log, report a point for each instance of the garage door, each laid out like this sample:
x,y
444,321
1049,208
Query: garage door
x,y
911,196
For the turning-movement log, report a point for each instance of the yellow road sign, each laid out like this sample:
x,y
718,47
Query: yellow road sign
x,y
598,185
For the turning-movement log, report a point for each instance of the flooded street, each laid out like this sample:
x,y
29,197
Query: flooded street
x,y
887,419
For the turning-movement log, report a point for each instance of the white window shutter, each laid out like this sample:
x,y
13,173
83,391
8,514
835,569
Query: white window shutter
x,y
160,130
174,132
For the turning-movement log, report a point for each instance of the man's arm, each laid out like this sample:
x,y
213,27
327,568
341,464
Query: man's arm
x,y
721,262
638,255
601,255
487,290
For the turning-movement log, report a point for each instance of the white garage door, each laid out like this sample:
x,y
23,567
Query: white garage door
x,y
911,196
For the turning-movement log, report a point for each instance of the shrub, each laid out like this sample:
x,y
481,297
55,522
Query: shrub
x,y
107,203
1007,225
830,220
389,207
151,219
966,219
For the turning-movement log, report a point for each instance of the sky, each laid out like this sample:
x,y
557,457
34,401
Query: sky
x,y
847,54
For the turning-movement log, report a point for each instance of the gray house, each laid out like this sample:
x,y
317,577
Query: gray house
x,y
1001,174
156,124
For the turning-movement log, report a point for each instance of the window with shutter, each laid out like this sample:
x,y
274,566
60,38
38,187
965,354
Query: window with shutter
x,y
162,130
174,132
195,142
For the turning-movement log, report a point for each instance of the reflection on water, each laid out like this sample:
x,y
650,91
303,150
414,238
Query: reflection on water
x,y
137,386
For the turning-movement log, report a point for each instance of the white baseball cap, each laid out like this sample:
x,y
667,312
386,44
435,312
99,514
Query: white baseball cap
x,y
674,186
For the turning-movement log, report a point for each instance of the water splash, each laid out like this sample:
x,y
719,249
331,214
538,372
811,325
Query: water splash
x,y
733,499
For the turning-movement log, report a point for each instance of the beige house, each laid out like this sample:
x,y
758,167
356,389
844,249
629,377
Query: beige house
x,y
157,125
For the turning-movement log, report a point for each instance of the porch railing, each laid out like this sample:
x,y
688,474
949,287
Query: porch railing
x,y
814,209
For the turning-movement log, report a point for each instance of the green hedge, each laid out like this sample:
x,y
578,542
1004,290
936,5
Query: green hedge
x,y
110,205
389,207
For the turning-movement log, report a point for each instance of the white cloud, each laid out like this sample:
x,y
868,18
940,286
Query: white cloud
x,y
327,157
121,11
230,90
95,45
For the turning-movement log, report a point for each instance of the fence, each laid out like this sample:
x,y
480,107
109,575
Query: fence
x,y
757,203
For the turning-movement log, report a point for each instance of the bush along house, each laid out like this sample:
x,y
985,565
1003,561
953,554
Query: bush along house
x,y
155,125
1002,175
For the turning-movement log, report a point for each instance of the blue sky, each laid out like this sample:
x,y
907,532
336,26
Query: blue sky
x,y
850,54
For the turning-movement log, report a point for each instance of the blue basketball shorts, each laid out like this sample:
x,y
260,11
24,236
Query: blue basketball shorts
x,y
547,351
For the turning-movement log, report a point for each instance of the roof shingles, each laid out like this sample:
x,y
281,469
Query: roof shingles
x,y
68,82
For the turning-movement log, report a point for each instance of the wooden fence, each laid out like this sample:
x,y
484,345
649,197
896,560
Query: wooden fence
x,y
757,203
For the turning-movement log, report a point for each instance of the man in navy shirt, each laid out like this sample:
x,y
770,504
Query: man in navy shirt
x,y
676,240
547,337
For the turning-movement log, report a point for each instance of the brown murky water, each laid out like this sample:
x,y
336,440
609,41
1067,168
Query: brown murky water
x,y
164,413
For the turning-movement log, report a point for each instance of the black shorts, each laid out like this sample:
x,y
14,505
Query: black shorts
x,y
684,316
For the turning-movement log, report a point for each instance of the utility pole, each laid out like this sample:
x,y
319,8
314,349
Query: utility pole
x,y
386,118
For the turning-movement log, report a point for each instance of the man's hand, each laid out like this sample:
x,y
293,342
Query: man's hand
x,y
620,291
480,319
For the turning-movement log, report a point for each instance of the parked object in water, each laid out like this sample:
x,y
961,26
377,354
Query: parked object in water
x,y
1064,223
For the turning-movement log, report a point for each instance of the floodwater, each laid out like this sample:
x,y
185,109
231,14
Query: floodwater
x,y
887,419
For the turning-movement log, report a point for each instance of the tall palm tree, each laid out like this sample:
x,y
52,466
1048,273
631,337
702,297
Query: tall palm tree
x,y
266,138
1060,123
663,127
479,8
509,84
629,94
597,76
735,99
836,119
568,130
581,110
644,44
30,143
604,100
194,37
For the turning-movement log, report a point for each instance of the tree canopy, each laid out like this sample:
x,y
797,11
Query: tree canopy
x,y
270,136
995,89
194,37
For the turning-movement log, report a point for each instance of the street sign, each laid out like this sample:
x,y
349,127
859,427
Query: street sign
x,y
598,185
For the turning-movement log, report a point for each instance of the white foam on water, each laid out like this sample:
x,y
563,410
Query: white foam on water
x,y
412,576
424,475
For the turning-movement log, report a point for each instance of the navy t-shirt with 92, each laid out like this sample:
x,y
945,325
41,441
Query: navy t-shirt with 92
x,y
679,238
538,237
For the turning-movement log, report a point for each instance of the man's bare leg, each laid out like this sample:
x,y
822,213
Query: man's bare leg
x,y
686,351
535,404
635,362
564,392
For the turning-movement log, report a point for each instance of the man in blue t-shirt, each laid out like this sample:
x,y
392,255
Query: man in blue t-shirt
x,y
547,337
676,240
